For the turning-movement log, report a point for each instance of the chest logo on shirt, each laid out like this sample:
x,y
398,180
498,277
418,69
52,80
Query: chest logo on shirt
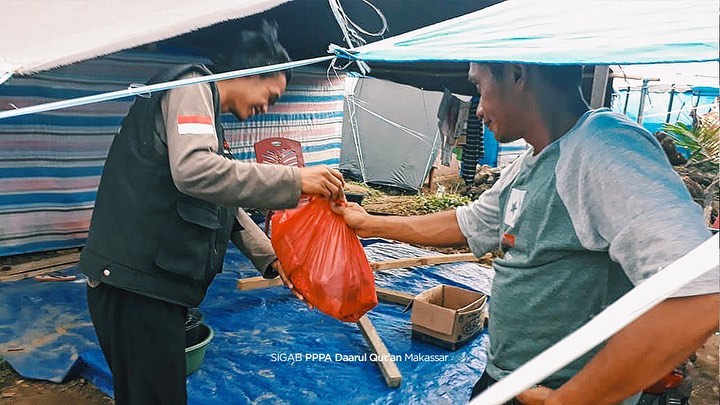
x,y
507,242
195,124
513,206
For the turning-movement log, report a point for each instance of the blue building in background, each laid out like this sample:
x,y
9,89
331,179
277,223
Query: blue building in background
x,y
664,104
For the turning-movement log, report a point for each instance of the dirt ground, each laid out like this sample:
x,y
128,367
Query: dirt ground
x,y
18,391
704,374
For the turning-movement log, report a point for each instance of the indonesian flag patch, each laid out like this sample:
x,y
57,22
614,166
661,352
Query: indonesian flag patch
x,y
195,124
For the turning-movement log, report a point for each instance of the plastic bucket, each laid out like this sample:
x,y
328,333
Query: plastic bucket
x,y
355,197
194,355
192,327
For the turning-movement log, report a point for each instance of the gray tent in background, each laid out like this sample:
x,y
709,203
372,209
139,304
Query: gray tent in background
x,y
390,133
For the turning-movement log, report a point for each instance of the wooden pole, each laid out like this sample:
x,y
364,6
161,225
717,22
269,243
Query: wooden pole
x,y
70,258
383,358
394,297
38,267
423,261
252,283
33,273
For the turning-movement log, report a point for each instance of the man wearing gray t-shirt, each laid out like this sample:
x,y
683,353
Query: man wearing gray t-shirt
x,y
591,210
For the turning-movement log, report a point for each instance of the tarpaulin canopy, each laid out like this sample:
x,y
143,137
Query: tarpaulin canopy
x,y
40,35
563,32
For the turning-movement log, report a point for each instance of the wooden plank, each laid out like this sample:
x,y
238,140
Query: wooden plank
x,y
394,297
252,283
383,359
383,294
423,261
33,273
633,77
70,258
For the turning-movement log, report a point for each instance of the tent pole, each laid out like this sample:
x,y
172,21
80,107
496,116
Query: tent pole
x,y
599,86
643,94
356,134
670,104
627,99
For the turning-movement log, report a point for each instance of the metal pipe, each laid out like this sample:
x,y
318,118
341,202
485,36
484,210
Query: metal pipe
x,y
670,104
643,94
627,99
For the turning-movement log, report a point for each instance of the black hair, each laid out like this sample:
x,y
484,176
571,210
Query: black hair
x,y
563,76
252,49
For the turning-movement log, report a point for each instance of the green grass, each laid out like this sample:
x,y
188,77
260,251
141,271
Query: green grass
x,y
6,374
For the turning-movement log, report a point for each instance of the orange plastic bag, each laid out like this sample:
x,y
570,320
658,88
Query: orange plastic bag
x,y
324,259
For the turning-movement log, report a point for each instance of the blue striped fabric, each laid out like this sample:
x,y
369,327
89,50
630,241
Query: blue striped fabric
x,y
310,112
50,163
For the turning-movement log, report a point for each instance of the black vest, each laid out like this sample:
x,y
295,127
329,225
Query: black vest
x,y
145,235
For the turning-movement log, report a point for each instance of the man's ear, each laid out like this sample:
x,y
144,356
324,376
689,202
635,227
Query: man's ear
x,y
519,72
520,75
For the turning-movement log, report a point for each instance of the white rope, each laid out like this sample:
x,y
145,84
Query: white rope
x,y
5,76
622,312
435,145
419,136
350,31
350,97
143,90
433,154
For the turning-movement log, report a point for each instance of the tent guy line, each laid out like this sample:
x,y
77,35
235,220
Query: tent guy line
x,y
5,77
142,90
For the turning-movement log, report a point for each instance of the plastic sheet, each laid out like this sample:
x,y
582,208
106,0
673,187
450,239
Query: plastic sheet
x,y
258,337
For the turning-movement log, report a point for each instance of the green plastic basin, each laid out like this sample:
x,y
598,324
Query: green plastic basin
x,y
195,354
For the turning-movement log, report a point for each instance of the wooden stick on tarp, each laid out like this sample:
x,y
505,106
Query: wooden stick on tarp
x,y
252,283
38,267
394,297
382,358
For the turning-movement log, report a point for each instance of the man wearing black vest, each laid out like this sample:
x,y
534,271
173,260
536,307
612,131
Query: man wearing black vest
x,y
166,208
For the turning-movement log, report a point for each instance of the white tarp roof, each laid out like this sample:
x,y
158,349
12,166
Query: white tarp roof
x,y
40,34
563,32
688,74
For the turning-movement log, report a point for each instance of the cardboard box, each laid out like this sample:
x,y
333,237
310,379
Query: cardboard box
x,y
448,316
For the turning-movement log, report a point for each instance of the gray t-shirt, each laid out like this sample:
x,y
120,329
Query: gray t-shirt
x,y
597,211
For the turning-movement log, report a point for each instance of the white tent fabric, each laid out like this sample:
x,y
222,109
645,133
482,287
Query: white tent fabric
x,y
686,74
563,32
40,35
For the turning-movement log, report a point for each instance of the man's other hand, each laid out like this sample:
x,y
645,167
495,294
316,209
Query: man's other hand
x,y
537,396
354,216
278,267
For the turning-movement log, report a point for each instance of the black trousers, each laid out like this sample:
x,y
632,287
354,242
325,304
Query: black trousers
x,y
143,340
484,383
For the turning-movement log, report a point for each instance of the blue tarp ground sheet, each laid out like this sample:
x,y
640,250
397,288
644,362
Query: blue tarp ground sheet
x,y
264,340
